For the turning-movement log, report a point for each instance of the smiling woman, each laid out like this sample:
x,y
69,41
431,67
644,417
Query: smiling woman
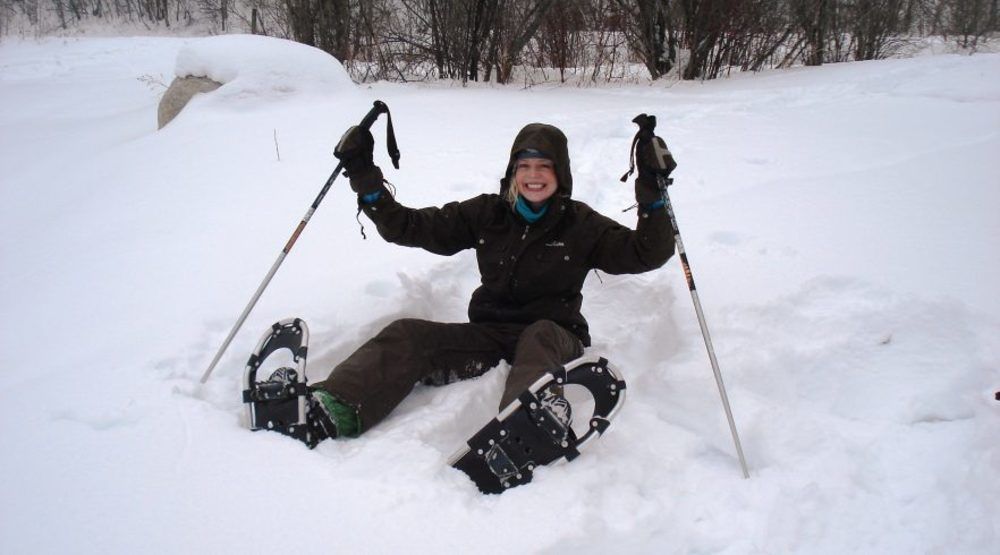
x,y
534,178
535,246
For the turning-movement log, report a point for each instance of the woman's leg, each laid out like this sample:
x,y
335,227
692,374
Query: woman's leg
x,y
541,347
383,371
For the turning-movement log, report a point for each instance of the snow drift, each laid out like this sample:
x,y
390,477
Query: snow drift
x,y
252,65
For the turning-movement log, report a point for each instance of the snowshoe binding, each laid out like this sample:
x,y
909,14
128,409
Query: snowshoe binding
x,y
282,403
536,429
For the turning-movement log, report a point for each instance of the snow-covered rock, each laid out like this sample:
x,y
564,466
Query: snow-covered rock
x,y
179,94
256,69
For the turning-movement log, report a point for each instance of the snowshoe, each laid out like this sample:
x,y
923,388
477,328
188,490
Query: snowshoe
x,y
281,402
536,429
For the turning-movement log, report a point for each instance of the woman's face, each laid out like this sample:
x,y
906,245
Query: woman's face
x,y
535,179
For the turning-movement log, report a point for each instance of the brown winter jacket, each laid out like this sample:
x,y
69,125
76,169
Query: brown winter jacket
x,y
536,271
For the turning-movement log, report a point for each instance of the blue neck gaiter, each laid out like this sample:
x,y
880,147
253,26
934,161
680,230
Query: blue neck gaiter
x,y
529,215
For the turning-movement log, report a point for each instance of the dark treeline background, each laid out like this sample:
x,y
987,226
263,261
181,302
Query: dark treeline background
x,y
595,40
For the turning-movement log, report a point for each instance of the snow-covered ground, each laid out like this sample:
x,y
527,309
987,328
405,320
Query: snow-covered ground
x,y
843,225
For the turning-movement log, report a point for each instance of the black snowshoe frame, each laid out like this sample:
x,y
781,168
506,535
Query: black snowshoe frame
x,y
528,433
280,405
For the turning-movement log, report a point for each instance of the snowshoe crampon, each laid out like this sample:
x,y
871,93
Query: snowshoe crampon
x,y
280,402
536,429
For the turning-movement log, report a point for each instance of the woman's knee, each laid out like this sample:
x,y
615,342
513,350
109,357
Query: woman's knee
x,y
544,327
404,327
550,333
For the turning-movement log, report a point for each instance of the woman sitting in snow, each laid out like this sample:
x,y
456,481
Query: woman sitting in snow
x,y
534,245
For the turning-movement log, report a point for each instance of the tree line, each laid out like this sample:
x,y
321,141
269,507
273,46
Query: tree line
x,y
597,40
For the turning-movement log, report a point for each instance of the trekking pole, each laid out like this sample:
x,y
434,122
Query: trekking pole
x,y
655,156
663,182
378,109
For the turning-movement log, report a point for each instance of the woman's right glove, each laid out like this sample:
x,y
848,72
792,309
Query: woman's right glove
x,y
356,150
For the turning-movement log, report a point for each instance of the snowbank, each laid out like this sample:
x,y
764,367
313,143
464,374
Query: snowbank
x,y
252,65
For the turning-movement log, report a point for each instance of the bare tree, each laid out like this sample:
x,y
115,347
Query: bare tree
x,y
812,17
651,27
561,35
216,11
873,24
970,20
518,26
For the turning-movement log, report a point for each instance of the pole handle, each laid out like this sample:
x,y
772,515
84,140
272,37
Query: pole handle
x,y
378,109
652,152
646,123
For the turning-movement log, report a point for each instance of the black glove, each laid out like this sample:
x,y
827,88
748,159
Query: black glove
x,y
356,150
647,191
652,159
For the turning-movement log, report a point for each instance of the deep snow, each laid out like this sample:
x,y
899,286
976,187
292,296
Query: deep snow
x,y
841,222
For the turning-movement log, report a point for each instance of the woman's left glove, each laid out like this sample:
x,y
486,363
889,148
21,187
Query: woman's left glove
x,y
356,150
653,160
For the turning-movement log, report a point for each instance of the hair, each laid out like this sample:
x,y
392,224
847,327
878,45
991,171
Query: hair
x,y
511,194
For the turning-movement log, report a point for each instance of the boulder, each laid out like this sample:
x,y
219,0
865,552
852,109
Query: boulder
x,y
179,93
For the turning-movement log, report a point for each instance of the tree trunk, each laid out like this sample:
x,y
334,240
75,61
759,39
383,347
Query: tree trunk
x,y
532,20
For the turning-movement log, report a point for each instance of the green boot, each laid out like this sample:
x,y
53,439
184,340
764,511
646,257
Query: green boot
x,y
331,418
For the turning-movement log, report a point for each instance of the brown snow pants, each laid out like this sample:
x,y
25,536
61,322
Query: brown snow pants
x,y
383,371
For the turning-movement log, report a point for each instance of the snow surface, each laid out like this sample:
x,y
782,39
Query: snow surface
x,y
842,224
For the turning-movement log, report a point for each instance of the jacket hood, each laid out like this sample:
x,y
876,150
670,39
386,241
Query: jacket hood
x,y
551,142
